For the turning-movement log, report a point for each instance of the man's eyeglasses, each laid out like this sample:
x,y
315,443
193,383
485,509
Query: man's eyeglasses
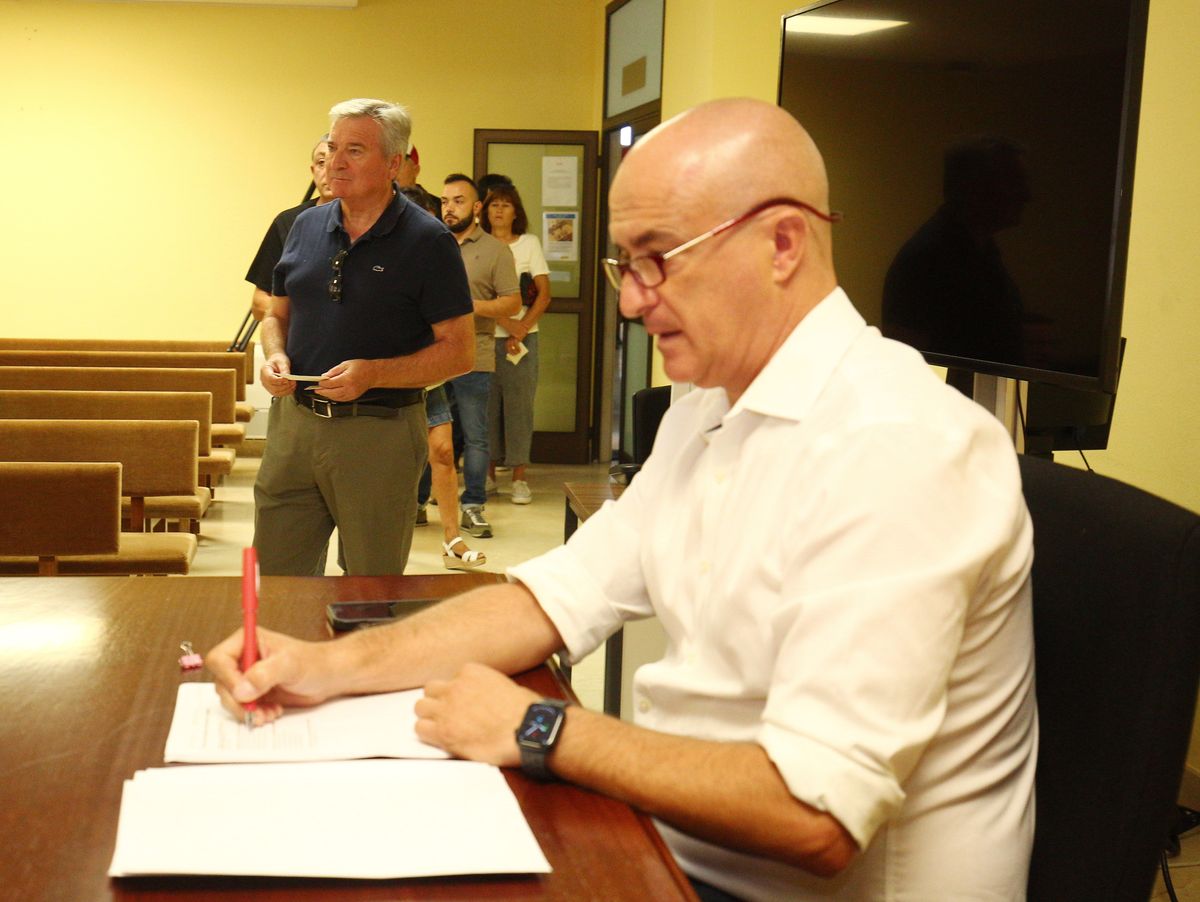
x,y
335,284
648,270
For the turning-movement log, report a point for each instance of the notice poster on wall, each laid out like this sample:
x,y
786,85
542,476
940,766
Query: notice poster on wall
x,y
560,181
560,235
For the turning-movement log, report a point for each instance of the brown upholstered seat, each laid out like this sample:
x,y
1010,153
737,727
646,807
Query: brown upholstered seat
x,y
158,456
235,360
126,344
220,383
65,518
35,404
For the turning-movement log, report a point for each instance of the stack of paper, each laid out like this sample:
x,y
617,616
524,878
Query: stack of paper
x,y
314,815
356,819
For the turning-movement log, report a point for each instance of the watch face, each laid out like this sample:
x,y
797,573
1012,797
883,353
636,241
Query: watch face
x,y
541,724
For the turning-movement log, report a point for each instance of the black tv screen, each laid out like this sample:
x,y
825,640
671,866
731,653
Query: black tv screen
x,y
982,153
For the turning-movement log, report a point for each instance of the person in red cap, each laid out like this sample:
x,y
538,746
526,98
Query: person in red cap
x,y
410,169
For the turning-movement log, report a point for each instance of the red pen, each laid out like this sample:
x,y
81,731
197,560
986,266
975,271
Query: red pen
x,y
249,619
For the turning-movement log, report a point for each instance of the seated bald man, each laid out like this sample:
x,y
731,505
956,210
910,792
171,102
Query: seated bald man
x,y
835,543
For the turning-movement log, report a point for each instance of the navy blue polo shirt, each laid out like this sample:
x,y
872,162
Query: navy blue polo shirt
x,y
401,276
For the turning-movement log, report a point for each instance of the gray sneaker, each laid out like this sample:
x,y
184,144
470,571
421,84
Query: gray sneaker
x,y
474,522
422,517
520,492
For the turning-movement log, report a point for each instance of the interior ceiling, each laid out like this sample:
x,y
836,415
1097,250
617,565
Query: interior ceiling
x,y
984,33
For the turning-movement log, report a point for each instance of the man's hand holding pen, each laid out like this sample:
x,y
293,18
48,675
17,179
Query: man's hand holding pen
x,y
287,674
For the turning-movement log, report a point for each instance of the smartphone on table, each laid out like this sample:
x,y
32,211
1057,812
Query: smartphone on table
x,y
344,616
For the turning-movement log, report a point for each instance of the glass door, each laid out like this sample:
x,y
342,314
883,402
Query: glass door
x,y
555,173
623,355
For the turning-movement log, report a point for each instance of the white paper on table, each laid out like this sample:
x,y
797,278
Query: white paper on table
x,y
364,726
377,819
514,359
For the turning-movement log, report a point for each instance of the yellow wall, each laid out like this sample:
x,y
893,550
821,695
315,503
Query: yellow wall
x,y
150,145
1156,427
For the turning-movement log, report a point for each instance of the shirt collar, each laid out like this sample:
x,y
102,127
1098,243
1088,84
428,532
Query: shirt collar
x,y
474,235
383,225
794,377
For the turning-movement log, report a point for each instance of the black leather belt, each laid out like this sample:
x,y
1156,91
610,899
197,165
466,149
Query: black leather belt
x,y
372,407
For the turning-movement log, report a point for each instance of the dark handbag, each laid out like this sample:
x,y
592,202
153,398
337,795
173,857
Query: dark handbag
x,y
529,290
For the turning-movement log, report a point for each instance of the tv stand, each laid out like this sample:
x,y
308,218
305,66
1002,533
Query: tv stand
x,y
999,396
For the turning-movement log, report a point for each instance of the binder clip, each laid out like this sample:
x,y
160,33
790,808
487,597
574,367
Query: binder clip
x,y
190,660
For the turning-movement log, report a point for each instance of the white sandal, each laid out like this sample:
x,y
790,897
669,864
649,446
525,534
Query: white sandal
x,y
468,560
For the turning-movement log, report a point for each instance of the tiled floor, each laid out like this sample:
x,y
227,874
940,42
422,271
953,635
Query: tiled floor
x,y
520,532
1185,872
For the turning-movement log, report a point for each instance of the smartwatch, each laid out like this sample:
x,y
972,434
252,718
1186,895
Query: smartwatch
x,y
538,733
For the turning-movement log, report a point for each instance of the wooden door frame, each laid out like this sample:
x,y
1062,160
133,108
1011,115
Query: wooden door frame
x,y
574,447
642,119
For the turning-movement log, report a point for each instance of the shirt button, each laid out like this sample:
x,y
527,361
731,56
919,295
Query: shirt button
x,y
644,705
704,567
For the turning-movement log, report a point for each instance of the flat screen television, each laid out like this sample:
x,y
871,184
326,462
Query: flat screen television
x,y
982,152
1067,419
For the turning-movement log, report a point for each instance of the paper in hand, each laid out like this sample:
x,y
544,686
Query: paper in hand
x,y
514,359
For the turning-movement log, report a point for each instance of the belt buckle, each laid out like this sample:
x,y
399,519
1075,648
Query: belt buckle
x,y
326,411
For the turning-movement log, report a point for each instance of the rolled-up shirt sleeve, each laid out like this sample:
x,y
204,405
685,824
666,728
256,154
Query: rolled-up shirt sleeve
x,y
594,583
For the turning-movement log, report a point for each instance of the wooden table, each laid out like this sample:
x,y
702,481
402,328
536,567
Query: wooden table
x,y
88,678
583,500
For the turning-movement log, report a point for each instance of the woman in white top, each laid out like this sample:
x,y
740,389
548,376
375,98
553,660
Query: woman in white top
x,y
510,414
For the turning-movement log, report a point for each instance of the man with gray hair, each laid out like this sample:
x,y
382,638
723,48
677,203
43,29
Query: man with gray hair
x,y
369,304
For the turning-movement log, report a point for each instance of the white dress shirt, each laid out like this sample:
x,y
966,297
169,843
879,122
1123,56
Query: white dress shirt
x,y
841,564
